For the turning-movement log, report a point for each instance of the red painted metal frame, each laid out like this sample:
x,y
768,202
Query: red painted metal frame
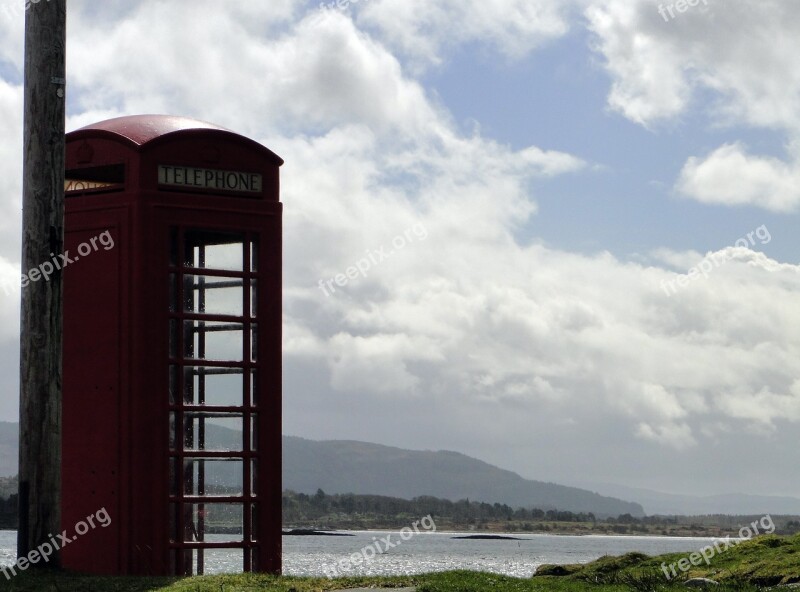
x,y
116,358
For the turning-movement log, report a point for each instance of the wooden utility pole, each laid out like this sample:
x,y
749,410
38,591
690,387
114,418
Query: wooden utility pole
x,y
42,240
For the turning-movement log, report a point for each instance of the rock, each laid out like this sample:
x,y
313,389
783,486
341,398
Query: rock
x,y
309,532
700,583
556,570
489,537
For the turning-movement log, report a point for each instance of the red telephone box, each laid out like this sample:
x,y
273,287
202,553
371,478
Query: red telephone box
x,y
172,349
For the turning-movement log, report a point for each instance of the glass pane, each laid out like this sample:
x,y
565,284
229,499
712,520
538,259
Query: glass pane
x,y
173,523
254,523
254,392
213,340
219,561
209,249
213,295
219,387
173,292
194,562
214,522
254,552
213,476
254,342
254,477
173,430
254,432
254,256
213,431
173,338
173,384
253,298
190,563
173,477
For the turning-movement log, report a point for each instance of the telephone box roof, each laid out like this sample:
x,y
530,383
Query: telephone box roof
x,y
140,130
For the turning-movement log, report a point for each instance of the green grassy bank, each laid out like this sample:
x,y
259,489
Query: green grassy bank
x,y
765,561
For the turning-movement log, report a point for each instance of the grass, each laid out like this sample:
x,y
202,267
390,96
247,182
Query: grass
x,y
454,581
762,562
751,566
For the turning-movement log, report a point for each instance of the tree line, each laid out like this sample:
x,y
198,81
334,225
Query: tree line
x,y
301,507
322,508
9,503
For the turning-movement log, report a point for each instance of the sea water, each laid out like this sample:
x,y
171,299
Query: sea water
x,y
433,551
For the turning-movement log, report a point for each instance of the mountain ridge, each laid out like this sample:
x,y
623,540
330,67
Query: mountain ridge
x,y
351,466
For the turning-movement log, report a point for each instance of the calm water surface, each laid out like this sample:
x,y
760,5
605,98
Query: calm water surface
x,y
436,551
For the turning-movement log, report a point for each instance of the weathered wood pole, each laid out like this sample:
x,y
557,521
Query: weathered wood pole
x,y
42,241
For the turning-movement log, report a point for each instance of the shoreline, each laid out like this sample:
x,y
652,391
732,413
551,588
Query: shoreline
x,y
520,534
325,531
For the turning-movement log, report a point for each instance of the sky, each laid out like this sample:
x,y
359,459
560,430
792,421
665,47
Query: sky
x,y
578,217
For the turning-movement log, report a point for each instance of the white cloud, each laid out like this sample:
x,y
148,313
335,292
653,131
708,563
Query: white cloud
x,y
426,31
731,176
468,331
11,202
675,435
532,326
660,68
764,407
649,71
377,363
679,261
657,65
323,73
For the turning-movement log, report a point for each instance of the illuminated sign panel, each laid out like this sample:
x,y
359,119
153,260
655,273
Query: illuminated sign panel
x,y
85,185
197,178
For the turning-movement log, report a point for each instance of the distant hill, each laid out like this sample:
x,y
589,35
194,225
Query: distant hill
x,y
362,468
656,502
342,466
